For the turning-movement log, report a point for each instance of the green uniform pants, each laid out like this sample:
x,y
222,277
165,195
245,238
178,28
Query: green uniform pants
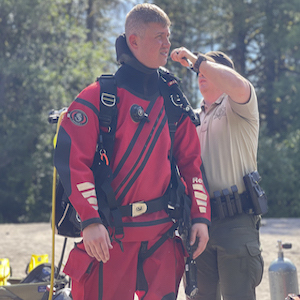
x,y
232,260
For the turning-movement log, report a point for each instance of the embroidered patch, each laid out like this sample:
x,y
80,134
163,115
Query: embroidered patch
x,y
221,112
78,117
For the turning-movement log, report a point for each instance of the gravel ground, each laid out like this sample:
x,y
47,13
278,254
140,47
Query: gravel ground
x,y
20,241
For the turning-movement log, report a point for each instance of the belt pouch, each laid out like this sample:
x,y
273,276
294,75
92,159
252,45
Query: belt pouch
x,y
237,199
228,202
257,194
220,210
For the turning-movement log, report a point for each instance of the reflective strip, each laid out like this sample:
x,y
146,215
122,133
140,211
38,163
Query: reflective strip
x,y
85,186
92,200
200,202
89,193
199,195
95,207
202,209
64,215
199,187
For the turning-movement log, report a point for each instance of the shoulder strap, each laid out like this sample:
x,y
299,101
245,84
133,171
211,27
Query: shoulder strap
x,y
103,174
176,103
174,98
108,112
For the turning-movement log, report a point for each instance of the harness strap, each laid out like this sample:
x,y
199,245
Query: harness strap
x,y
141,207
172,105
141,283
108,111
147,253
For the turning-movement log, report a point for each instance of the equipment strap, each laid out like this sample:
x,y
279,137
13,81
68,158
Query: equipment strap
x,y
108,111
141,207
147,253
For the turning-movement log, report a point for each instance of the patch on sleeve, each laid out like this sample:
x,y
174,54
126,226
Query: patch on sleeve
x,y
78,117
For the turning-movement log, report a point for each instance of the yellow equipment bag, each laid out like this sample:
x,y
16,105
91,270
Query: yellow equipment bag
x,y
4,271
36,259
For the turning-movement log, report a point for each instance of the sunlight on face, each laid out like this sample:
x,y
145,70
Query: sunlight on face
x,y
153,45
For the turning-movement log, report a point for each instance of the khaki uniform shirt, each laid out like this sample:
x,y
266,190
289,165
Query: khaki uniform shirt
x,y
228,137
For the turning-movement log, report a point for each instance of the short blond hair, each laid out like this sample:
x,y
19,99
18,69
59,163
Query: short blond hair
x,y
143,14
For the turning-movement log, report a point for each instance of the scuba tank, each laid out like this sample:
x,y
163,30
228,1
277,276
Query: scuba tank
x,y
282,275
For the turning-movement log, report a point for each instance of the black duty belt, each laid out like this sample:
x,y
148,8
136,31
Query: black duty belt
x,y
138,208
225,205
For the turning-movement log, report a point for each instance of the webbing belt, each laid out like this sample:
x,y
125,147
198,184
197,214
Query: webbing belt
x,y
141,207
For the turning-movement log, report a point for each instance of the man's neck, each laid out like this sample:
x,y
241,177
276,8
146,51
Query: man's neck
x,y
211,97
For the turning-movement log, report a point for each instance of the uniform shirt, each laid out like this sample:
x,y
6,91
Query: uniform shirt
x,y
228,137
140,160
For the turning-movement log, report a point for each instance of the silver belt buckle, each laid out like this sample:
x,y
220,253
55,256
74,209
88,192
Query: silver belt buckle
x,y
138,208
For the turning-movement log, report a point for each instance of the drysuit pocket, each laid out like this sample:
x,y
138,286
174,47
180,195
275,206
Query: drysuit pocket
x,y
79,264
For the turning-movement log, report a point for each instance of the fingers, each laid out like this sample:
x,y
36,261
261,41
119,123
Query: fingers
x,y
184,56
97,242
201,247
201,231
179,55
99,251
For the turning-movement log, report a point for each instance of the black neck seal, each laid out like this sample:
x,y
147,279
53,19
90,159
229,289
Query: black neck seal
x,y
125,56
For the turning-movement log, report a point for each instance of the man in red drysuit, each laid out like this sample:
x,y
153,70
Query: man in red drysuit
x,y
101,266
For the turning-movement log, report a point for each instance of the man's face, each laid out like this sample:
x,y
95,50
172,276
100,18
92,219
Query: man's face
x,y
208,89
153,46
203,83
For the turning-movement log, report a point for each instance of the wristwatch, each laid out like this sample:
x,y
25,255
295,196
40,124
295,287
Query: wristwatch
x,y
198,62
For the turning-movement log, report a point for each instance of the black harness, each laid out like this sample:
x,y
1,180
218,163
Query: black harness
x,y
111,211
176,106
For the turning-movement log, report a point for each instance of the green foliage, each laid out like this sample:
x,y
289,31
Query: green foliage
x,y
279,162
262,37
45,60
52,49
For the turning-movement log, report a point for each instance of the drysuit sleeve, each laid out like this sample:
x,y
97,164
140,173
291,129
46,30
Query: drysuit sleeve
x,y
188,157
75,151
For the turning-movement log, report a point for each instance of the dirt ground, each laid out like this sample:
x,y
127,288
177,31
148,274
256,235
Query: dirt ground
x,y
19,242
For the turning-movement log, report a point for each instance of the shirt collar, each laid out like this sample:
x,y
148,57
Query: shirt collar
x,y
204,107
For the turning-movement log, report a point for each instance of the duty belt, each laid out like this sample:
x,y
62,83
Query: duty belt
x,y
225,205
141,207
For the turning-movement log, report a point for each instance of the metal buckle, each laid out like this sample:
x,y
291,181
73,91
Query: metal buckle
x,y
138,208
108,99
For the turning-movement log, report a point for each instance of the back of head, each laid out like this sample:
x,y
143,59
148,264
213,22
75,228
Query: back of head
x,y
220,58
143,14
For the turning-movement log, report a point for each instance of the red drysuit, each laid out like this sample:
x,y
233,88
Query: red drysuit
x,y
141,172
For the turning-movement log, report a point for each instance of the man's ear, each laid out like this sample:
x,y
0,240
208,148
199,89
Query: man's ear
x,y
133,41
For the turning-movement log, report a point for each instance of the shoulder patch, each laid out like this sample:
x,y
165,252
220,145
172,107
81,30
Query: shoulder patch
x,y
78,117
